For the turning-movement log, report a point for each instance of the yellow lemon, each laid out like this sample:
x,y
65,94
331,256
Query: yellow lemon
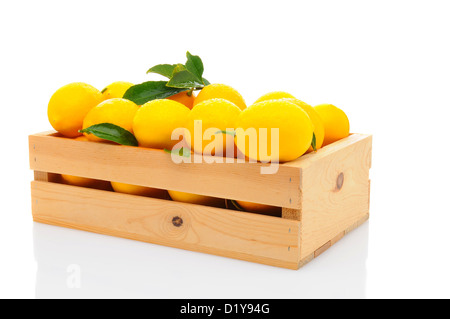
x,y
85,182
216,115
256,124
335,122
275,96
116,90
77,181
196,199
69,105
139,190
116,111
222,91
319,129
259,208
156,120
184,98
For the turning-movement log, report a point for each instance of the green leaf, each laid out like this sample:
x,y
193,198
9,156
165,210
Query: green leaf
x,y
184,79
195,65
205,82
163,69
313,142
111,132
151,90
233,133
185,152
178,67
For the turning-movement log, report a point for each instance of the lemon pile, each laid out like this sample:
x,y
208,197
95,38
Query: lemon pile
x,y
301,128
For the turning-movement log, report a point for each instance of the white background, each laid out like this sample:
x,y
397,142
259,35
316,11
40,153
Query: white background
x,y
385,63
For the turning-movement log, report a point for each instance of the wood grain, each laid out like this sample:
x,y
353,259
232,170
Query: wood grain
x,y
46,177
155,168
290,213
323,196
335,191
306,259
257,238
41,176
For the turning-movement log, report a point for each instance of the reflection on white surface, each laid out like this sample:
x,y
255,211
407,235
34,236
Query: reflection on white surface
x,y
77,264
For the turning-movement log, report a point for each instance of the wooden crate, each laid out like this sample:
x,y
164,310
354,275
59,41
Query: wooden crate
x,y
323,196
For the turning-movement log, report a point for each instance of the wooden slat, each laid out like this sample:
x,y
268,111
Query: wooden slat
x,y
46,177
322,249
290,213
324,195
41,176
335,192
155,168
307,258
257,238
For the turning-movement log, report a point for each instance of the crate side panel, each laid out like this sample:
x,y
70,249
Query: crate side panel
x,y
155,168
252,237
335,194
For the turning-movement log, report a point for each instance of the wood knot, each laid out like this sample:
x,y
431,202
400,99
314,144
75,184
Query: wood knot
x,y
177,221
340,181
